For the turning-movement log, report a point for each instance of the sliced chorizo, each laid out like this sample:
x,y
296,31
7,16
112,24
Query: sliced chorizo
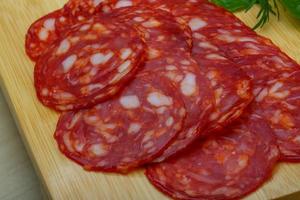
x,y
88,64
228,166
125,131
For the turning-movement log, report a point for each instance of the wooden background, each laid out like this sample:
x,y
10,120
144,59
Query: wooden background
x,y
62,178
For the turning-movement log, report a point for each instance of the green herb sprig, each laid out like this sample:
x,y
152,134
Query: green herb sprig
x,y
267,7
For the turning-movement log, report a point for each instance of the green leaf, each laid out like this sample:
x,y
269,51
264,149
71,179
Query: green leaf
x,y
233,5
293,7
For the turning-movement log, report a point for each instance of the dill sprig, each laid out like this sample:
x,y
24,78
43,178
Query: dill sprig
x,y
267,7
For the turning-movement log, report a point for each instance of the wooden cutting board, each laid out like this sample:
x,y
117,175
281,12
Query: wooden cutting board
x,y
62,178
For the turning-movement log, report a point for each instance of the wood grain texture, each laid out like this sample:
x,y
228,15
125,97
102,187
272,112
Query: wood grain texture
x,y
64,179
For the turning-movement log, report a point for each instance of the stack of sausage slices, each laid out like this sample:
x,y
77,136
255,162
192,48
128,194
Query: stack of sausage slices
x,y
181,87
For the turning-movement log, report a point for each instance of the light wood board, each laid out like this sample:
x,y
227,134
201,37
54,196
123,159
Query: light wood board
x,y
62,178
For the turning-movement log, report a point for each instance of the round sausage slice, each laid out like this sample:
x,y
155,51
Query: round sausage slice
x,y
88,64
223,167
125,132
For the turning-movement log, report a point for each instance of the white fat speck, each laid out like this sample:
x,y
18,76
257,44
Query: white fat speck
x,y
74,121
171,67
151,23
278,60
280,95
226,191
99,27
274,152
130,102
85,27
62,19
63,95
262,95
110,126
197,23
161,110
49,24
170,121
97,2
226,38
93,71
123,3
64,46
148,145
242,161
252,46
100,58
125,53
160,38
218,95
158,99
98,150
147,137
188,84
67,142
207,45
74,39
124,66
297,139
215,56
80,18
198,36
214,116
134,128
79,147
45,92
138,19
211,75
153,53
185,62
276,117
69,62
43,34
96,86
274,91
246,39
182,112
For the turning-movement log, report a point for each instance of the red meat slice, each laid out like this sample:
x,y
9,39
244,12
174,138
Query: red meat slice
x,y
126,131
223,167
89,64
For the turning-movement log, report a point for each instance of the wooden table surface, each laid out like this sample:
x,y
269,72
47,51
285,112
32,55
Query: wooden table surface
x,y
62,178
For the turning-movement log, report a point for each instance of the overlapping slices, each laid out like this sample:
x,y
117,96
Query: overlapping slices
x,y
221,167
126,131
90,63
163,33
232,97
279,103
263,61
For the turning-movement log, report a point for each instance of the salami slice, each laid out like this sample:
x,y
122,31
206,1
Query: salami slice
x,y
41,34
223,167
160,28
279,103
263,61
163,33
231,97
182,71
256,55
89,64
126,131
